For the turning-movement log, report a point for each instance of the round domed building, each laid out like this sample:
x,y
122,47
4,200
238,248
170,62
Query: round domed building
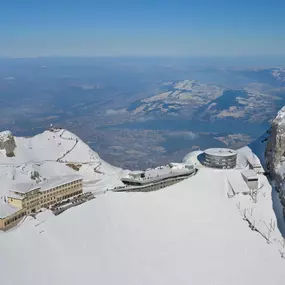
x,y
222,158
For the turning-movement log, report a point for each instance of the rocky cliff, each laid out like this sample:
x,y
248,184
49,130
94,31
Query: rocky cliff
x,y
275,153
7,143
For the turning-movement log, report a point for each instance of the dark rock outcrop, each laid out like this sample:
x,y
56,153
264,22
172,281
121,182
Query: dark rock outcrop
x,y
275,153
7,142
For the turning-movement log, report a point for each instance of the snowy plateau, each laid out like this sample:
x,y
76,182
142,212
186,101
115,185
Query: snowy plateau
x,y
187,233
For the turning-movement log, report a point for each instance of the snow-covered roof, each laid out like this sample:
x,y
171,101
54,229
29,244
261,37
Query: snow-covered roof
x,y
253,160
48,184
58,181
164,170
136,172
6,209
220,151
15,196
249,174
157,174
180,165
250,156
237,182
241,161
25,187
192,158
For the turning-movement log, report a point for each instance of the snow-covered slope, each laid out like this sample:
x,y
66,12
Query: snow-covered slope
x,y
55,153
189,233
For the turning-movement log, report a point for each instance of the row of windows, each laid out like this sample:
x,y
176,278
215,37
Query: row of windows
x,y
58,198
219,159
77,182
47,205
36,202
220,166
160,185
32,201
60,190
71,195
220,156
46,200
219,163
62,198
32,205
48,197
34,195
15,218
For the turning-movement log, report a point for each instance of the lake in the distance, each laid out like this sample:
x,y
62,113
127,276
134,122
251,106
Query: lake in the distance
x,y
220,127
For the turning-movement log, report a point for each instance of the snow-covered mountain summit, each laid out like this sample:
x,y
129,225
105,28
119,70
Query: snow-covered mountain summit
x,y
171,236
55,152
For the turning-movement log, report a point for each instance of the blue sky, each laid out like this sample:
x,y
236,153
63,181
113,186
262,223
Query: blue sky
x,y
146,28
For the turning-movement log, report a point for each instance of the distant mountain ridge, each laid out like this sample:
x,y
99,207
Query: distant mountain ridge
x,y
177,97
274,76
196,100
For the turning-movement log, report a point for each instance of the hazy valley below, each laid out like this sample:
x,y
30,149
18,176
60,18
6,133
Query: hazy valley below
x,y
140,113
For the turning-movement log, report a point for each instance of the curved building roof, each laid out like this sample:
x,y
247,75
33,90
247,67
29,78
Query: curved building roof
x,y
220,152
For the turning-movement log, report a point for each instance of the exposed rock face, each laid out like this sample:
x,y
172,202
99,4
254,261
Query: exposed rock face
x,y
7,143
275,153
36,176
